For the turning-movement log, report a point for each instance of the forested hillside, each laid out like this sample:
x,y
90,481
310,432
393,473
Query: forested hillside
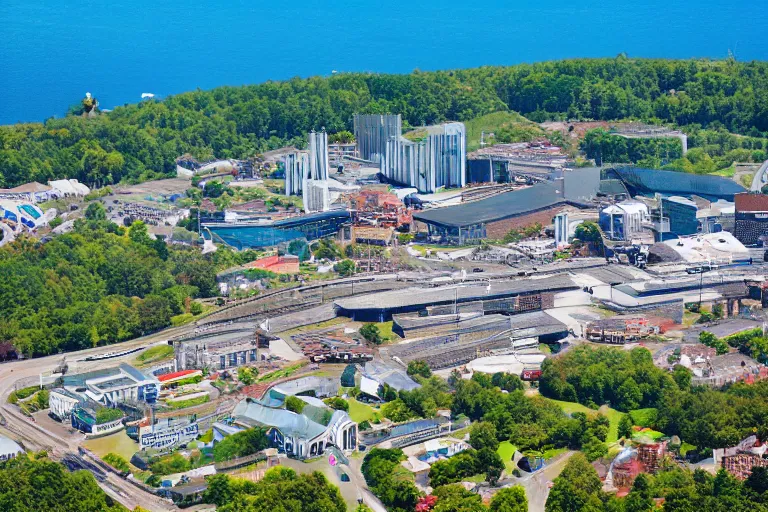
x,y
98,285
34,485
141,141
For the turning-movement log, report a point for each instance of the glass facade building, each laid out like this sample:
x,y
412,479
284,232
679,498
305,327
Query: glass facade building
x,y
256,235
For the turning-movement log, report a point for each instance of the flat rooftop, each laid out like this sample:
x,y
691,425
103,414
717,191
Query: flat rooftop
x,y
423,297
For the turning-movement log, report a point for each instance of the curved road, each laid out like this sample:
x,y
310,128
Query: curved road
x,y
759,180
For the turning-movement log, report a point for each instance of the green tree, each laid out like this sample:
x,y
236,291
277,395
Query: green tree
x,y
491,464
371,333
576,489
419,367
246,375
483,435
96,212
455,498
345,268
625,426
509,499
294,404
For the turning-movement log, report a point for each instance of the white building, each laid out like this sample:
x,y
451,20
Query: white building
x,y
62,402
304,435
111,386
623,221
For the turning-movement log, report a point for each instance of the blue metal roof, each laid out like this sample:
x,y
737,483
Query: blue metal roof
x,y
641,181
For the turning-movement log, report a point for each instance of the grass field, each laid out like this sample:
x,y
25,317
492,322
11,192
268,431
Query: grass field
x,y
728,172
385,328
492,123
154,354
506,450
613,415
359,411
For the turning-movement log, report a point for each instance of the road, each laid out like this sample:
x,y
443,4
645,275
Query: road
x,y
759,180
37,437
537,485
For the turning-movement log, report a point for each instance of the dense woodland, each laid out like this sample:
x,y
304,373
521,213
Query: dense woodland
x,y
578,488
701,416
28,485
141,141
97,285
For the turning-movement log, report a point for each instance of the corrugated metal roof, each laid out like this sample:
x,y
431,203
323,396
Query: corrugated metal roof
x,y
501,206
751,202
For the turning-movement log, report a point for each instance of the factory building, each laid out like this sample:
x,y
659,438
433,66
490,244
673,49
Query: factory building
x,y
681,213
221,349
372,133
296,166
649,182
257,234
306,174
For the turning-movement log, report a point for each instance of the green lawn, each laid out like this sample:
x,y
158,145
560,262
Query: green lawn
x,y
728,172
613,415
359,411
506,450
154,354
385,329
494,122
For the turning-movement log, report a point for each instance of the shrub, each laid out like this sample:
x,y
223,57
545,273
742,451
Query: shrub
x,y
371,333
337,403
107,415
117,462
294,404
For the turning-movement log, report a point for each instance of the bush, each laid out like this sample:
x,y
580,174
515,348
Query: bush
x,y
56,222
196,308
117,462
371,333
345,268
241,444
107,415
337,403
295,404
170,464
419,367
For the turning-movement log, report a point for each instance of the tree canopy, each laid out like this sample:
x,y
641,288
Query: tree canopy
x,y
141,141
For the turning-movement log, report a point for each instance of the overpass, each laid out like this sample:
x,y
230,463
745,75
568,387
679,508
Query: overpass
x,y
760,178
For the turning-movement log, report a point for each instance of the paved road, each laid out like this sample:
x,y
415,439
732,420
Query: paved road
x,y
537,486
759,180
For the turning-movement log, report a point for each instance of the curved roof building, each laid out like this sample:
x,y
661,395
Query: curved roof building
x,y
646,182
9,448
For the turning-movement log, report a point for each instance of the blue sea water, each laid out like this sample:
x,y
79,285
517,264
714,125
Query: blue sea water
x,y
53,51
